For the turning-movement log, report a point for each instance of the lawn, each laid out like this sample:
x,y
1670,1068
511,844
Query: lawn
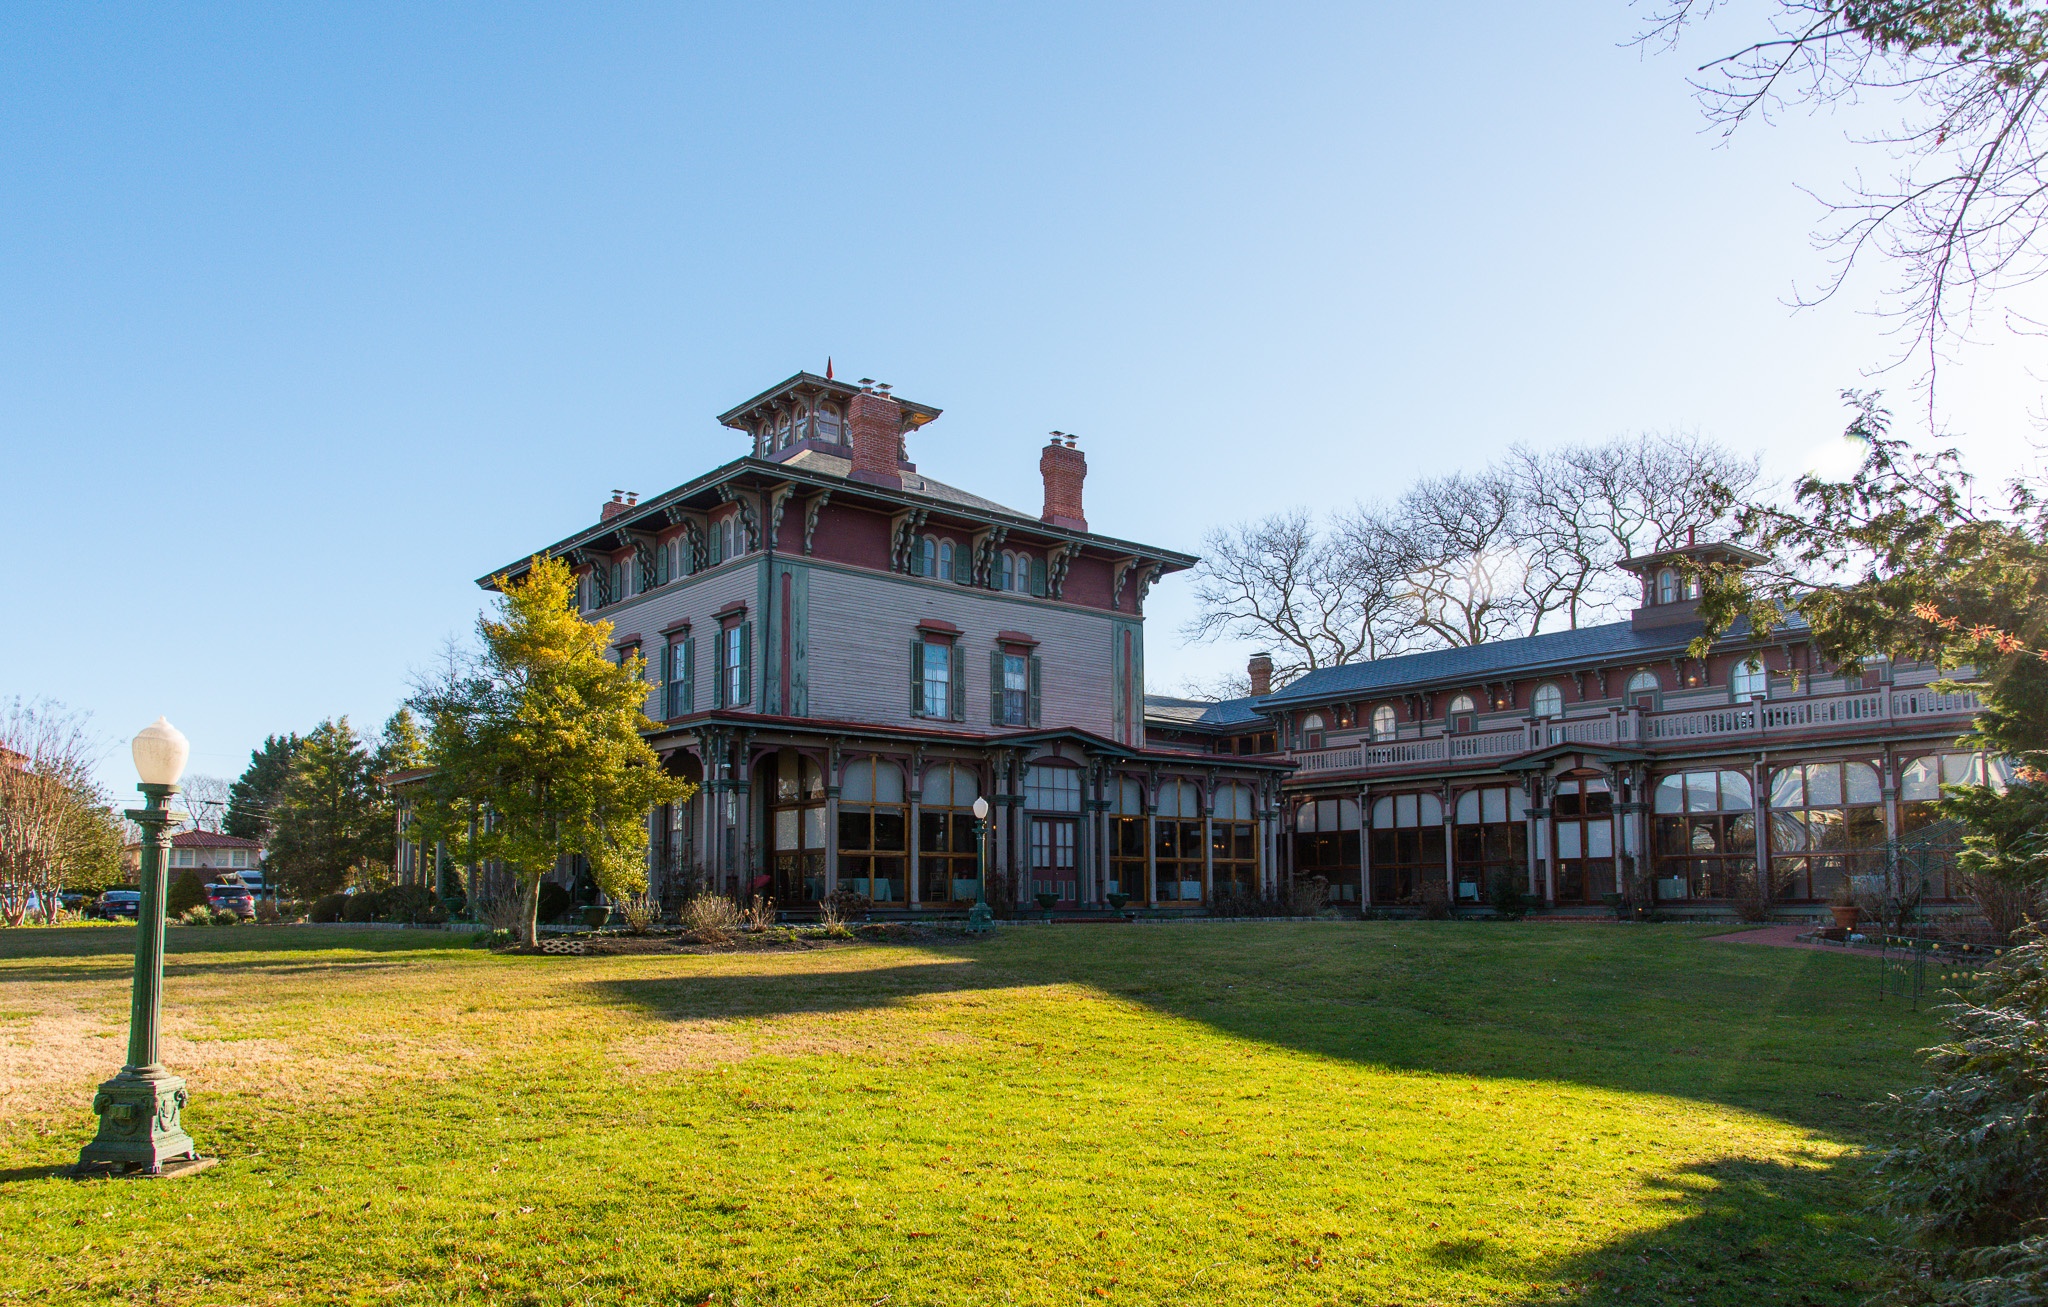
x,y
1371,1113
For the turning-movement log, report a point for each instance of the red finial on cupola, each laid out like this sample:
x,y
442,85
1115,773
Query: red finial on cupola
x,y
828,367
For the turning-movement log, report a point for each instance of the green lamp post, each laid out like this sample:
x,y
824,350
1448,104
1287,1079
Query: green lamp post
x,y
140,1133
979,917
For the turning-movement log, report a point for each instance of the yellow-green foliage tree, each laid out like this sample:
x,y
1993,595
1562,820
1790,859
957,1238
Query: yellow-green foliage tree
x,y
543,733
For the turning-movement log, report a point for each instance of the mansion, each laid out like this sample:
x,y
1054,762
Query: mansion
x,y
845,654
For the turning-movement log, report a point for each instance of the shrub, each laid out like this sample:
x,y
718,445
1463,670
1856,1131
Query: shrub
x,y
186,892
492,939
363,906
1504,892
196,915
1969,1176
845,905
414,904
328,907
554,901
640,913
1436,899
2006,905
712,916
1308,897
760,914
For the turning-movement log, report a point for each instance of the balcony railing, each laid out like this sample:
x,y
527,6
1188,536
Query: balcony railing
x,y
1763,719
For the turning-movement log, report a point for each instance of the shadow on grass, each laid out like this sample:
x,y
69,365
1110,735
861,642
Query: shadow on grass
x,y
119,941
1735,1232
1792,1034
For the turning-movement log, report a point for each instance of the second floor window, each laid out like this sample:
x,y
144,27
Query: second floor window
x,y
1010,679
1549,702
932,678
681,667
1383,722
735,647
1750,681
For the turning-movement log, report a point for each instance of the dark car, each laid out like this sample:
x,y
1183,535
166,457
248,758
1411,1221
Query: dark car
x,y
231,898
118,903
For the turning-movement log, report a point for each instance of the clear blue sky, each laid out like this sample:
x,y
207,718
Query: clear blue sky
x,y
311,318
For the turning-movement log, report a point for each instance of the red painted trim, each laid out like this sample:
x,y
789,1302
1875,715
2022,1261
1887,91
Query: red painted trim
x,y
1016,637
676,628
737,608
619,642
937,627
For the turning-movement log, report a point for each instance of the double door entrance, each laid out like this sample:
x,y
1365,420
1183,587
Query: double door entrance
x,y
1054,861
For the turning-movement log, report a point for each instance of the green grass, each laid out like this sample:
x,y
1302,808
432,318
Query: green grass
x,y
1345,1113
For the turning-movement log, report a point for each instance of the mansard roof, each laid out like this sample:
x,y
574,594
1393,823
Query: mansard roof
x,y
816,470
1611,644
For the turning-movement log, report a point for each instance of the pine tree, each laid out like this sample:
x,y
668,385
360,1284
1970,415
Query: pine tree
x,y
402,747
544,734
251,797
329,820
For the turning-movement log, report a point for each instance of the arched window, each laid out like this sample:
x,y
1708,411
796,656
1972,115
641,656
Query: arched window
x,y
1642,683
1827,824
945,834
1463,703
1127,840
926,561
1178,849
1667,586
828,424
796,824
1407,845
871,830
1326,845
1547,702
1312,730
1383,722
945,569
1007,578
1705,835
1749,680
1487,840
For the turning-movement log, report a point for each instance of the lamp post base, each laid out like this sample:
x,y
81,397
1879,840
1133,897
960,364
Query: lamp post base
x,y
139,1127
980,918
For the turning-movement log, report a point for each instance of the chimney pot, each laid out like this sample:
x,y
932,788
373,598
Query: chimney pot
x,y
1260,668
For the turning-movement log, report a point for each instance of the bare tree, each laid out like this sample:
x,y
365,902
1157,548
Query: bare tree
x,y
1528,545
1466,573
1959,219
52,813
204,801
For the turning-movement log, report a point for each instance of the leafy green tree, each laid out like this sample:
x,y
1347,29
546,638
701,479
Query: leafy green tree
x,y
329,821
90,854
543,734
251,798
403,746
1906,558
185,891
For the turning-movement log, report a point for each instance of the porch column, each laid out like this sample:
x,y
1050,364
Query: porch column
x,y
1364,849
1450,846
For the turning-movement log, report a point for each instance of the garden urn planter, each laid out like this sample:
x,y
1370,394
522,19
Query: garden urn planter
x,y
594,917
1045,901
1845,914
1117,901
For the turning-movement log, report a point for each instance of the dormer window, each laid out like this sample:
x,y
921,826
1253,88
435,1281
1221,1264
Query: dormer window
x,y
1667,587
828,424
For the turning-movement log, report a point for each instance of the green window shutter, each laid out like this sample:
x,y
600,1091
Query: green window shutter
x,y
995,688
916,677
957,666
963,564
1036,715
690,674
1038,576
718,678
746,662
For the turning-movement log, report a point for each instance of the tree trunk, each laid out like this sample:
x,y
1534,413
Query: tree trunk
x,y
530,917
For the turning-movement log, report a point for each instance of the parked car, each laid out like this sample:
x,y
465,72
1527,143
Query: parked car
x,y
118,903
71,900
231,898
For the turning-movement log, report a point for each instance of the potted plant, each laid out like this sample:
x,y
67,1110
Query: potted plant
x,y
1843,904
1117,901
1045,901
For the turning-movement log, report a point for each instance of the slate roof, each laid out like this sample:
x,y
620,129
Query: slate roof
x,y
817,460
1217,713
1615,642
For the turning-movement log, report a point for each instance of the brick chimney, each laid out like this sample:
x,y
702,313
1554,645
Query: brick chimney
x,y
1260,668
874,426
1064,468
614,506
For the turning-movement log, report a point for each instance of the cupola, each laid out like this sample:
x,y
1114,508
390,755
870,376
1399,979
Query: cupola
x,y
1671,589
